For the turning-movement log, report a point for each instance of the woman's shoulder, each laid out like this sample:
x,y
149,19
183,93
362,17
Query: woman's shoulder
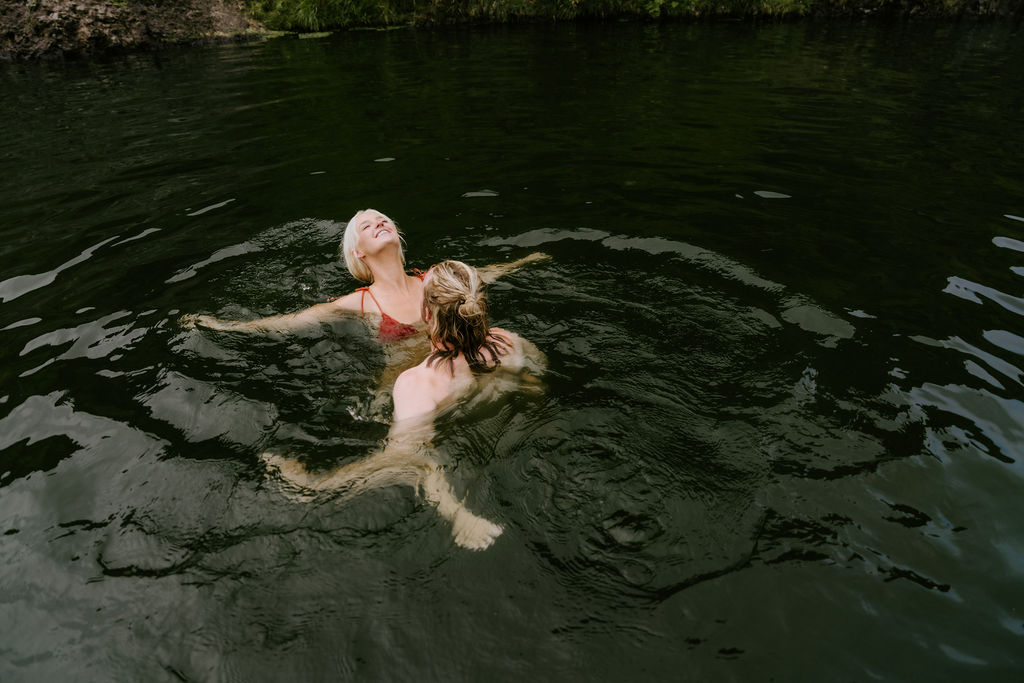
x,y
352,301
513,340
425,374
509,336
512,343
419,390
523,352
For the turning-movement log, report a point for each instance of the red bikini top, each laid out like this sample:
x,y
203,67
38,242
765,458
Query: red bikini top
x,y
390,329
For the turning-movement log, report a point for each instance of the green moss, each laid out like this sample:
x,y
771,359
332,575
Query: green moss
x,y
318,15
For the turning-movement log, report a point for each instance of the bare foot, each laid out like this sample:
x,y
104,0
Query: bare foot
x,y
474,533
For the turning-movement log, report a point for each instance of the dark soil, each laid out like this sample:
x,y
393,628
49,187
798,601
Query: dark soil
x,y
44,28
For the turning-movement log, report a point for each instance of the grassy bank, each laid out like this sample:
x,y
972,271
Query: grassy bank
x,y
318,15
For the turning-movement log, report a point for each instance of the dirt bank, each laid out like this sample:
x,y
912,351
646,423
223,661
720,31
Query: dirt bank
x,y
41,28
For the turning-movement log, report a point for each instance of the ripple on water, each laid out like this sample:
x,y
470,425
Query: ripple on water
x,y
1006,340
1004,368
201,411
19,285
975,292
1008,243
51,424
999,422
992,413
278,241
130,550
614,511
93,340
625,484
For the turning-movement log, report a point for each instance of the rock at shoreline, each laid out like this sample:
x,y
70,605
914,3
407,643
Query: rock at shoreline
x,y
39,28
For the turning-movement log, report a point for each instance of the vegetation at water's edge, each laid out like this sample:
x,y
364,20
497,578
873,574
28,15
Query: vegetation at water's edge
x,y
44,28
317,15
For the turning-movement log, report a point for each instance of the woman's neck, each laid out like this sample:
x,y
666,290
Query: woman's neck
x,y
388,273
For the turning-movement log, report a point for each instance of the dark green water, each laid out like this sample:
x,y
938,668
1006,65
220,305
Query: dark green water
x,y
782,436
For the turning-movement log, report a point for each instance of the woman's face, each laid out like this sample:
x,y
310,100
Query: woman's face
x,y
375,231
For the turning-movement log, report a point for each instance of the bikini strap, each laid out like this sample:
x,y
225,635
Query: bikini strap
x,y
365,291
362,300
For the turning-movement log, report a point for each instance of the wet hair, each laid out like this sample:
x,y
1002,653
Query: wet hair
x,y
456,298
355,265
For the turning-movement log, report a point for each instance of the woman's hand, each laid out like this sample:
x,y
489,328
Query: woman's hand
x,y
193,320
533,258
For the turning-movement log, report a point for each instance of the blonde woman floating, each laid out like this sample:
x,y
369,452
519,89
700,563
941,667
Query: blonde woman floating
x,y
467,358
372,250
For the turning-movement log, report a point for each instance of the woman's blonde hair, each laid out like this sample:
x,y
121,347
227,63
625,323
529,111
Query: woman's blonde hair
x,y
355,265
456,298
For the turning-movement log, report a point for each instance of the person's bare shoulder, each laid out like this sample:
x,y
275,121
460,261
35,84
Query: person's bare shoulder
x,y
524,354
413,378
350,302
414,392
513,356
512,337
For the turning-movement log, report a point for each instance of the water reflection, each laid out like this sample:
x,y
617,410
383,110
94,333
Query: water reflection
x,y
994,411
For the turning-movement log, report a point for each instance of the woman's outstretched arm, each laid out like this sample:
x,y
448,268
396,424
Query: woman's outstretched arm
x,y
497,270
288,322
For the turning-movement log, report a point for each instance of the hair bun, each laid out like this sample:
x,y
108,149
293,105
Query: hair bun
x,y
470,308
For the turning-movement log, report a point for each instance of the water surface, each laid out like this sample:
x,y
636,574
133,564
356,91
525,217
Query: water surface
x,y
781,436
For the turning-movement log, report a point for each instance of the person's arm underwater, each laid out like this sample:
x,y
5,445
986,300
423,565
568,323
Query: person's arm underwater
x,y
498,270
287,322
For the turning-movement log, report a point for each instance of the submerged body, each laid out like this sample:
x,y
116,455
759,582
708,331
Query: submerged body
x,y
468,358
405,458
